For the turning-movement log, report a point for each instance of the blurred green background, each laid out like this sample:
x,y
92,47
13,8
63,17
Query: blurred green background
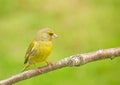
x,y
82,26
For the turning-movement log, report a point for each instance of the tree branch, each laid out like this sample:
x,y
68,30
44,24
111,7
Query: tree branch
x,y
74,60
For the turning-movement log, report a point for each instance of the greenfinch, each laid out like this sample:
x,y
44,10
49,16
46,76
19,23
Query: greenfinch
x,y
40,48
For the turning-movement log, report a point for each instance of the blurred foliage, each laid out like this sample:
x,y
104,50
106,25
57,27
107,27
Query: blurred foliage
x,y
82,26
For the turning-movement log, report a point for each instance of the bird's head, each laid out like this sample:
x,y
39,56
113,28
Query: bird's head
x,y
45,34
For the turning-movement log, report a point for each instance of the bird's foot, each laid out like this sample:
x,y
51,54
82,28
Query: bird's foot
x,y
49,63
38,69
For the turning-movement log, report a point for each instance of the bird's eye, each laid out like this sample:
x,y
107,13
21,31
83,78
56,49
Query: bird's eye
x,y
50,33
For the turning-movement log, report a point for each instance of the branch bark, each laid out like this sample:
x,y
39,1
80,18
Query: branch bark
x,y
74,60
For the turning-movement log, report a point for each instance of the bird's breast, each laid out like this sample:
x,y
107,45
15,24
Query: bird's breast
x,y
43,51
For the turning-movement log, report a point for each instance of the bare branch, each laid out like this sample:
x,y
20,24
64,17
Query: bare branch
x,y
74,60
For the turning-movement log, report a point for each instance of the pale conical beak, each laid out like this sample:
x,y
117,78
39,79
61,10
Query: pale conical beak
x,y
54,36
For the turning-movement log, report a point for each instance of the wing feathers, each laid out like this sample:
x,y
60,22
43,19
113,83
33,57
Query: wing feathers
x,y
30,51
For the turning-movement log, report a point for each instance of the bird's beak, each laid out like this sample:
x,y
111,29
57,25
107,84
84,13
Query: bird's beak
x,y
54,36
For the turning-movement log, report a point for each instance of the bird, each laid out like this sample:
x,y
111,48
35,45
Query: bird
x,y
40,47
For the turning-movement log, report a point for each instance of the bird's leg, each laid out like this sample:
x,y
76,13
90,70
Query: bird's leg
x,y
37,68
35,65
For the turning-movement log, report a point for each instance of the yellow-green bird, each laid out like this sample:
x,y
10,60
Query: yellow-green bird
x,y
40,48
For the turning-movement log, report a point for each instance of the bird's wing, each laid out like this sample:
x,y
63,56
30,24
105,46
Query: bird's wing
x,y
30,51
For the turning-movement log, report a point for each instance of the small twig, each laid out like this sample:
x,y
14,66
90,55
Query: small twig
x,y
74,60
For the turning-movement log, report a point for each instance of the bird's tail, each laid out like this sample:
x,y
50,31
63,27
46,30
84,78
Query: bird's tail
x,y
25,66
